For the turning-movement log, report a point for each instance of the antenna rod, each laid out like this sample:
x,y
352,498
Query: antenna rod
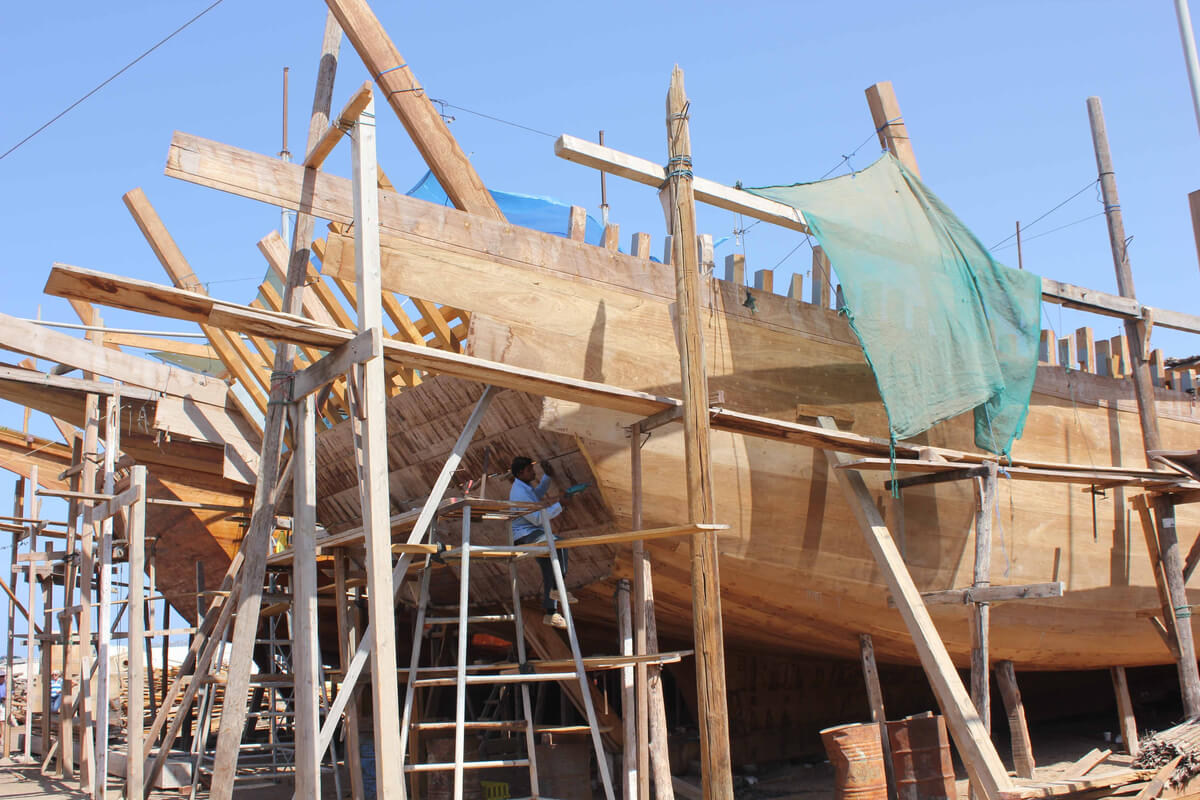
x,y
1020,261
603,191
1189,52
284,154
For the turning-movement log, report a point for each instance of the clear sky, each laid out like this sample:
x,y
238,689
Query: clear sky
x,y
993,95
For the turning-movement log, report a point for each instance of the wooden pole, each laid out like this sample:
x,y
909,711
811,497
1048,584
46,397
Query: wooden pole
x,y
304,603
66,719
889,124
866,649
112,443
629,755
706,587
374,487
135,533
1022,747
1128,723
347,641
18,512
1143,385
30,636
262,517
87,571
651,709
985,489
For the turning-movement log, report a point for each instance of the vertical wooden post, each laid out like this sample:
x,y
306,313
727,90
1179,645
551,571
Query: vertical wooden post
x,y
374,489
18,509
981,612
87,572
820,278
735,268
866,649
30,638
66,719
706,587
1135,333
304,602
135,533
348,639
651,709
1128,723
249,576
632,745
1022,747
889,124
112,443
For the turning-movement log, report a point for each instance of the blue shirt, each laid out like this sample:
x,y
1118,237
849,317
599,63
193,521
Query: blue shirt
x,y
522,492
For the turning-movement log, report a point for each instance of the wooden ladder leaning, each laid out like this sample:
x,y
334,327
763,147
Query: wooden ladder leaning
x,y
464,677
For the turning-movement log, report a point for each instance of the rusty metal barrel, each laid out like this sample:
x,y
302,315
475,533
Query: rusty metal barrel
x,y
921,758
857,757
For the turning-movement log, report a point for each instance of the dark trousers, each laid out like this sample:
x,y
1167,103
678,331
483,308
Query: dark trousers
x,y
548,583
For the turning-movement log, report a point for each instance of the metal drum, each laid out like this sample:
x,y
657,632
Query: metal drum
x,y
921,758
857,758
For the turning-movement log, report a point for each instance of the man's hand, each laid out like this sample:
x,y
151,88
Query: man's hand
x,y
548,468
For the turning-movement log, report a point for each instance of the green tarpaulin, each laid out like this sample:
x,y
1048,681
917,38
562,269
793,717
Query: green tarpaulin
x,y
945,328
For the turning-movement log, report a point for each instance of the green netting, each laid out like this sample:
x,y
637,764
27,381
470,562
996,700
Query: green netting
x,y
944,327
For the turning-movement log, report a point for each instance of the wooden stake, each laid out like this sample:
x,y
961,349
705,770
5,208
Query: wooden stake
x,y
866,649
1128,723
706,587
304,603
1022,748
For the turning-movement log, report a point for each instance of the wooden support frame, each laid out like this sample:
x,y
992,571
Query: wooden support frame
x,y
983,763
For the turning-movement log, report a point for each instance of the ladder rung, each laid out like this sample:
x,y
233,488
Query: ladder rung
x,y
447,766
472,618
520,677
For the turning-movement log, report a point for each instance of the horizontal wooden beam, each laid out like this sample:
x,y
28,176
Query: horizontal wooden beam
x,y
333,134
640,170
614,162
991,594
113,506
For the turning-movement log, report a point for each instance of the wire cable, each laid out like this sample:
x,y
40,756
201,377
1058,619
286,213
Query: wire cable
x,y
1013,235
109,79
447,104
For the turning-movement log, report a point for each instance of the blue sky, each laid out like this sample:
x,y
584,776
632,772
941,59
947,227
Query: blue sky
x,y
993,95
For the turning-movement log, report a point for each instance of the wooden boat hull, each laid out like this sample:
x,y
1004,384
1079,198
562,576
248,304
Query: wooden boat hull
x,y
795,571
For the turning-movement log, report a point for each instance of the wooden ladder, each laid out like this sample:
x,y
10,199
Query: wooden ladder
x,y
477,675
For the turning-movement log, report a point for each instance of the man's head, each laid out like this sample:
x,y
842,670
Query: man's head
x,y
522,468
56,674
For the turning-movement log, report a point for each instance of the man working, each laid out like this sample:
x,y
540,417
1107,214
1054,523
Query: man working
x,y
528,530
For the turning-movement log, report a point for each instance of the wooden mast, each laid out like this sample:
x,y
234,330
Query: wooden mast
x,y
1135,333
706,589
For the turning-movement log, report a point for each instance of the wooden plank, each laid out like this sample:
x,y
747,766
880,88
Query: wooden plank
x,y
347,631
1086,763
41,342
339,361
412,105
135,533
115,505
991,594
158,343
1126,720
713,715
889,124
982,762
1085,349
640,170
1159,781
1010,693
304,604
334,133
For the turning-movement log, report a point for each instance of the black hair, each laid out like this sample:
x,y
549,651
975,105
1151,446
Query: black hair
x,y
519,464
